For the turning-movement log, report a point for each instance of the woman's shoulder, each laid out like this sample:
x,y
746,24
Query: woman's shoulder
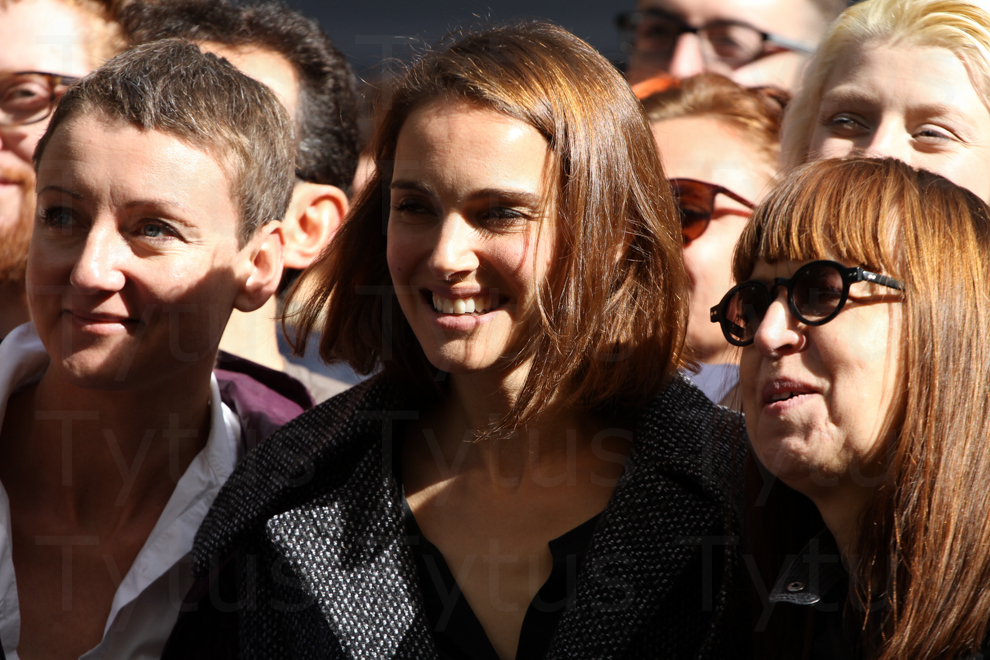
x,y
681,418
682,436
309,455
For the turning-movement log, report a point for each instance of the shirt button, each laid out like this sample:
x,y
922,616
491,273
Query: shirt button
x,y
794,587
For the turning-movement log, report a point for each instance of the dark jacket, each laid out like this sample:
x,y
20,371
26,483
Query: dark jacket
x,y
303,554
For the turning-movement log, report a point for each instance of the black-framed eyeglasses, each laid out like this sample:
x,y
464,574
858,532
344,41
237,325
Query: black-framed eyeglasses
x,y
27,97
696,202
733,43
815,295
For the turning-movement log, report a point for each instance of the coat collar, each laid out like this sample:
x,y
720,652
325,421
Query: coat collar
x,y
812,574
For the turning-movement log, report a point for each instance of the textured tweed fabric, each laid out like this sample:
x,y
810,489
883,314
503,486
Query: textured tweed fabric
x,y
304,553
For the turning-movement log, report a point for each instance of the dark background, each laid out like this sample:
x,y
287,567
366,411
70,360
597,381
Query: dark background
x,y
369,32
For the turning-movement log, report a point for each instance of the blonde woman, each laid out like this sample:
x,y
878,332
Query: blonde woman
x,y
909,79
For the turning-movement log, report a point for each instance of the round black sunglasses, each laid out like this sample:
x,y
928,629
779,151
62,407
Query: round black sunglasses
x,y
815,295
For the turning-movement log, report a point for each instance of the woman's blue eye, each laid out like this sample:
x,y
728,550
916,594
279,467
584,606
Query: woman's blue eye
x,y
57,216
156,230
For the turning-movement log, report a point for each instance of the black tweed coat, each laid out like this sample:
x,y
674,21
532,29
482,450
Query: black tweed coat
x,y
304,554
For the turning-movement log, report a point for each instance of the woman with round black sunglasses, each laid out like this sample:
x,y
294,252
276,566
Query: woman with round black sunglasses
x,y
864,317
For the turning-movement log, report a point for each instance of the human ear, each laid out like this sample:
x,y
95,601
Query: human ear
x,y
314,215
262,261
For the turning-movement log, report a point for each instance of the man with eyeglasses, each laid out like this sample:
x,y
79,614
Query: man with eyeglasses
x,y
44,46
753,42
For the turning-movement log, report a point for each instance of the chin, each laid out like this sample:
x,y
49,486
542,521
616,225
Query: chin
x,y
90,375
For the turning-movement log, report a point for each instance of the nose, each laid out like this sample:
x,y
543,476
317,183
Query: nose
x,y
778,332
887,140
454,254
687,59
98,267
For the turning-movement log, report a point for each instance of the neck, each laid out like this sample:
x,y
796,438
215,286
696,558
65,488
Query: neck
x,y
253,335
98,457
13,307
841,509
726,355
475,402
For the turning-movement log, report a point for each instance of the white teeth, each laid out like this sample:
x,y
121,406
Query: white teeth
x,y
473,305
782,396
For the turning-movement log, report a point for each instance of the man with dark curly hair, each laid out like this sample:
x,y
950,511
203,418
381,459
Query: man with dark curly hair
x,y
290,53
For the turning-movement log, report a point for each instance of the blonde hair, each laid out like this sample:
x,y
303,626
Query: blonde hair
x,y
955,25
924,541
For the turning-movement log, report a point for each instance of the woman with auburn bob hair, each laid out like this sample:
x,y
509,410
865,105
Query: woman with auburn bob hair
x,y
864,312
902,79
528,475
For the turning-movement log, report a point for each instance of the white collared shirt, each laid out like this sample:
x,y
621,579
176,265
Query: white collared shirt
x,y
147,600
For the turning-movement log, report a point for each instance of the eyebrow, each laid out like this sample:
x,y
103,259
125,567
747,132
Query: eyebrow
x,y
59,189
154,202
854,96
159,202
404,184
522,196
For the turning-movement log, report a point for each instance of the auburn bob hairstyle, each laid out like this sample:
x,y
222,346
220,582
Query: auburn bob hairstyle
x,y
924,541
612,315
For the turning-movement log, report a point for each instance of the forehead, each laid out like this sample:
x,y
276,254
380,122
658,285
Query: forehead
x,y
920,75
109,161
462,144
44,35
790,18
265,66
706,149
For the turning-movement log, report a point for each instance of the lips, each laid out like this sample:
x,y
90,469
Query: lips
x,y
460,304
98,320
781,390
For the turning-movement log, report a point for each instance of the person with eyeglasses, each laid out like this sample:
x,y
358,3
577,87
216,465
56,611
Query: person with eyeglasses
x,y
754,42
44,46
906,79
863,316
719,143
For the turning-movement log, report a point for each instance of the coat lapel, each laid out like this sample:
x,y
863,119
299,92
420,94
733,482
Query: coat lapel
x,y
349,548
665,507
